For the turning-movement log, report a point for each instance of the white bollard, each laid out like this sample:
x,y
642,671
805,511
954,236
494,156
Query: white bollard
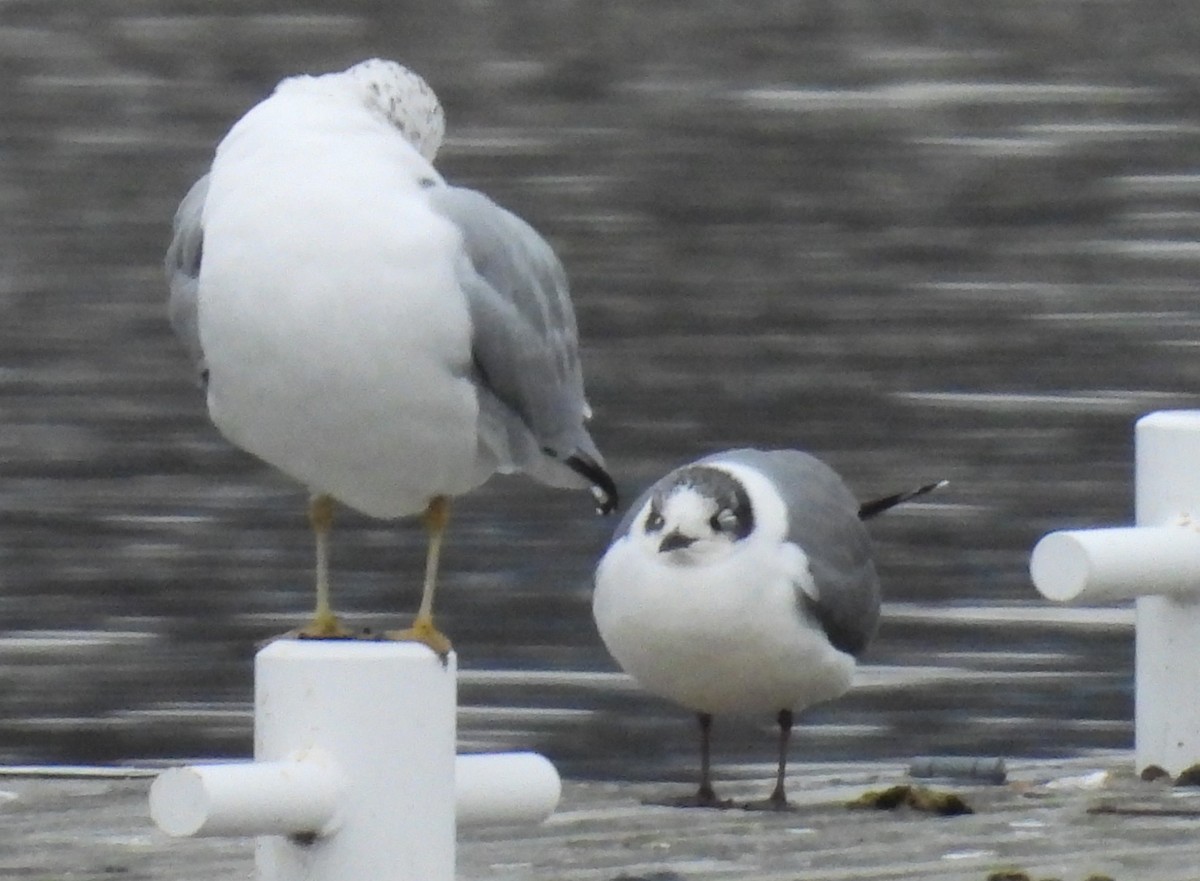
x,y
355,775
385,713
1157,563
1167,659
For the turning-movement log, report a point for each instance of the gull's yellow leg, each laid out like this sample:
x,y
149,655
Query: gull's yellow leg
x,y
324,624
423,630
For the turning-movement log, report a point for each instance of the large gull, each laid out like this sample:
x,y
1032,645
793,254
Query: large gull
x,y
386,339
742,583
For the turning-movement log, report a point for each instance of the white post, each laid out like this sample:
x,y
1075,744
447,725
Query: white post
x,y
386,711
1157,563
355,776
1167,722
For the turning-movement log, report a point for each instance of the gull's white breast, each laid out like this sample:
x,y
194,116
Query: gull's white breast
x,y
717,638
337,337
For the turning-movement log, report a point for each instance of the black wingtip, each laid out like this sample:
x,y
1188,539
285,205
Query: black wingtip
x,y
604,491
867,510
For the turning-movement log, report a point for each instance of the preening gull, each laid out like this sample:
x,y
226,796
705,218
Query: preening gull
x,y
742,583
386,339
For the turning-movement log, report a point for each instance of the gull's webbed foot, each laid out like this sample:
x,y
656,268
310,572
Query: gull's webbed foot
x,y
324,625
776,802
425,632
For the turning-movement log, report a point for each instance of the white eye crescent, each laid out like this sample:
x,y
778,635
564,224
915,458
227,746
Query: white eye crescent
x,y
724,520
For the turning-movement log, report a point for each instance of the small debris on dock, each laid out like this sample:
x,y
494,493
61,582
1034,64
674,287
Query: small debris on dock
x,y
919,798
1009,875
1189,776
983,770
1140,809
1018,875
1094,780
1154,772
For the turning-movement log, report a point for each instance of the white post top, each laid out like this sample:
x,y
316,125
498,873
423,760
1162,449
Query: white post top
x,y
1167,479
1161,555
331,651
1171,420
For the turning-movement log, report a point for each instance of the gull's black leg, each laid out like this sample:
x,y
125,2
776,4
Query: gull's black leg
x,y
777,800
705,797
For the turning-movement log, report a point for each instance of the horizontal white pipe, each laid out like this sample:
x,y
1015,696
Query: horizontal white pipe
x,y
301,796
502,788
248,798
1107,565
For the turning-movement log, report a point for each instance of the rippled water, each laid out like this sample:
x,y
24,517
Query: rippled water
x,y
938,248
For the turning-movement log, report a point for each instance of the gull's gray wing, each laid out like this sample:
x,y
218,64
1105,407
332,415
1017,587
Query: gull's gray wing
x,y
823,522
525,345
182,265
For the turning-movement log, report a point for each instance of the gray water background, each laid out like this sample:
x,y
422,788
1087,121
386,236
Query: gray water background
x,y
921,239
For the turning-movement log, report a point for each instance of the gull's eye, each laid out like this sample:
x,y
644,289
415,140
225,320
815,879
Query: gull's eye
x,y
654,521
723,521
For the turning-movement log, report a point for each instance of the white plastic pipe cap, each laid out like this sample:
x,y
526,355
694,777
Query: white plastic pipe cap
x,y
504,788
248,798
1109,565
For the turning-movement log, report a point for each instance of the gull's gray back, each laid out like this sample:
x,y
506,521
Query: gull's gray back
x,y
525,344
823,521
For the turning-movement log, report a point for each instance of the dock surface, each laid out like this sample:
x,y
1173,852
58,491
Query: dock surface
x,y
1071,820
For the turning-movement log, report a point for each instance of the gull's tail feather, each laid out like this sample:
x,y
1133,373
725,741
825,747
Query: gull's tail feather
x,y
867,510
604,490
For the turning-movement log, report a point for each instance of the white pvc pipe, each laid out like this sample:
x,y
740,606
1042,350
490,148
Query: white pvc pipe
x,y
248,798
301,796
504,788
1109,565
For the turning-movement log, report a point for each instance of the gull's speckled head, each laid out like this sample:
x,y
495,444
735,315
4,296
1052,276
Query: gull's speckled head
x,y
695,515
398,95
